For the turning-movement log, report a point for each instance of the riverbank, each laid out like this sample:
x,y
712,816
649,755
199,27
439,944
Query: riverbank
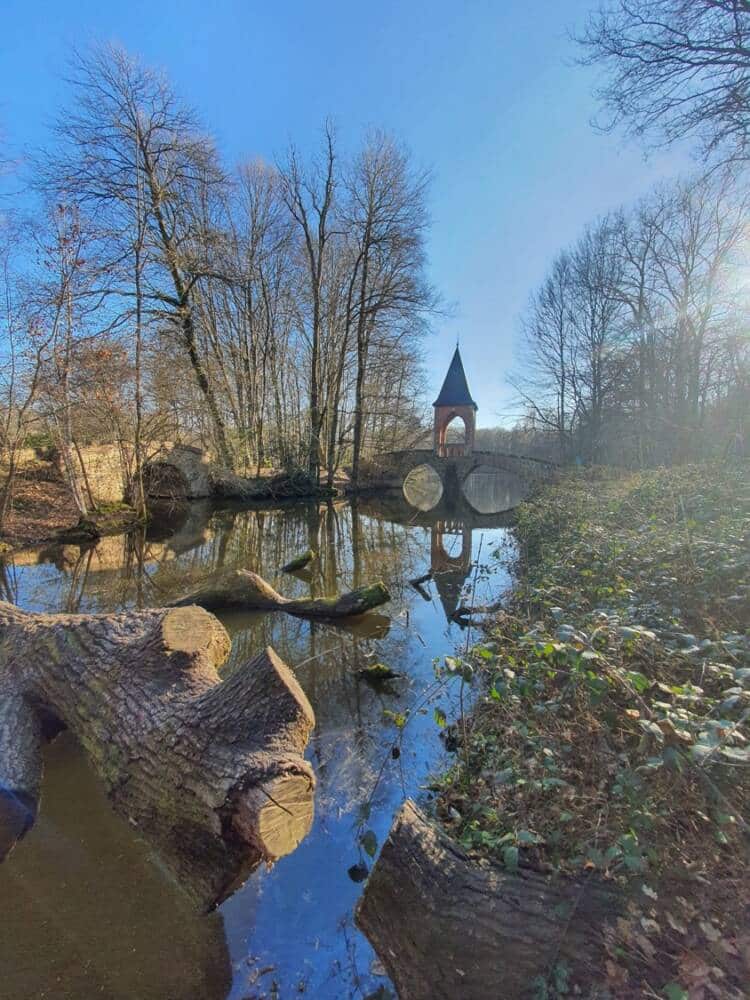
x,y
614,739
43,510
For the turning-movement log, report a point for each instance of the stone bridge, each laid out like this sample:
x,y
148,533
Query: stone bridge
x,y
391,468
183,472
178,472
488,481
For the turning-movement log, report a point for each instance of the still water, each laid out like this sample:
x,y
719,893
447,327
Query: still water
x,y
87,909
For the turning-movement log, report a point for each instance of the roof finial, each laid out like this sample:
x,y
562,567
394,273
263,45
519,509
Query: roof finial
x,y
457,336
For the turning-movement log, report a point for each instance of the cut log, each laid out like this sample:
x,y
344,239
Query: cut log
x,y
299,562
210,771
446,927
241,589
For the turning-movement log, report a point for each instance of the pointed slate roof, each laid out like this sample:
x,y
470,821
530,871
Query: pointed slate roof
x,y
455,391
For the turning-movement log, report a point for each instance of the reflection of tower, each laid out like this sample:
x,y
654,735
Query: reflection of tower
x,y
450,566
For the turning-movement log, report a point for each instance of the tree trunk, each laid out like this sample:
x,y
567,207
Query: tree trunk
x,y
219,428
446,927
240,588
212,773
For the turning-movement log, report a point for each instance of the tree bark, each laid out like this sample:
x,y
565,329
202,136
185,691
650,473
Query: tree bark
x,y
446,927
240,588
212,773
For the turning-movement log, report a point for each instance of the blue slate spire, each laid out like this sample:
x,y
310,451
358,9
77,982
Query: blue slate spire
x,y
455,391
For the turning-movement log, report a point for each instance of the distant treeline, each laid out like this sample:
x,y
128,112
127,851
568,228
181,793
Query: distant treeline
x,y
635,346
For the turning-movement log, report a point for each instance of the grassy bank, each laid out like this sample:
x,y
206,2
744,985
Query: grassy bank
x,y
614,735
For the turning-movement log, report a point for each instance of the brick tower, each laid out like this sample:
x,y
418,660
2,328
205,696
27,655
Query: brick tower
x,y
454,400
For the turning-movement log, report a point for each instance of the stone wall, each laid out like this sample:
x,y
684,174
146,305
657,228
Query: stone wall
x,y
106,468
104,472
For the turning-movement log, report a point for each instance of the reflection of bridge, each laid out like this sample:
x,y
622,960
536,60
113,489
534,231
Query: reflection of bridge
x,y
451,528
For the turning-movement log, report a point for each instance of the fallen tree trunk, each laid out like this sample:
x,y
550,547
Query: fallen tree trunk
x,y
446,927
242,589
464,613
212,772
227,485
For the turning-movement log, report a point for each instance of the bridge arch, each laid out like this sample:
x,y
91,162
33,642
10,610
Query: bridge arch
x,y
178,473
423,487
488,490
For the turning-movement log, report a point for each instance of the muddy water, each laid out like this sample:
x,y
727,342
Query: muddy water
x,y
87,909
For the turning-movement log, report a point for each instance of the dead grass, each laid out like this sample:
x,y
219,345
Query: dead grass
x,y
42,505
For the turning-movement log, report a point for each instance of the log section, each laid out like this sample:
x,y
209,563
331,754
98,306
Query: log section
x,y
446,927
212,772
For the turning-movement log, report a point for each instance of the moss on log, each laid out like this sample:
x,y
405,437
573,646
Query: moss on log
x,y
242,589
299,562
211,772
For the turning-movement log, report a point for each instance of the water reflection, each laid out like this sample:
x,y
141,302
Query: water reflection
x,y
423,487
87,913
485,490
450,561
489,491
291,926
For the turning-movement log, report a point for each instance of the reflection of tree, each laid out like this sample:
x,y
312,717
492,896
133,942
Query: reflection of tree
x,y
82,877
8,582
356,539
78,579
328,557
354,549
313,543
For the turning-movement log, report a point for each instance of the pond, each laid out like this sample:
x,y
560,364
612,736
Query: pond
x,y
90,911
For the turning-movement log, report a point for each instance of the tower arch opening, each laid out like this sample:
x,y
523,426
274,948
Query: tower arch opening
x,y
456,436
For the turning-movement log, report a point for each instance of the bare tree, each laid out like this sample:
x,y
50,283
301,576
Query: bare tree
x,y
548,328
309,197
677,69
63,305
642,323
387,214
133,155
596,275
22,359
272,313
701,227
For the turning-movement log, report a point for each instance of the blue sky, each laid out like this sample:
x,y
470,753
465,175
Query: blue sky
x,y
485,93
